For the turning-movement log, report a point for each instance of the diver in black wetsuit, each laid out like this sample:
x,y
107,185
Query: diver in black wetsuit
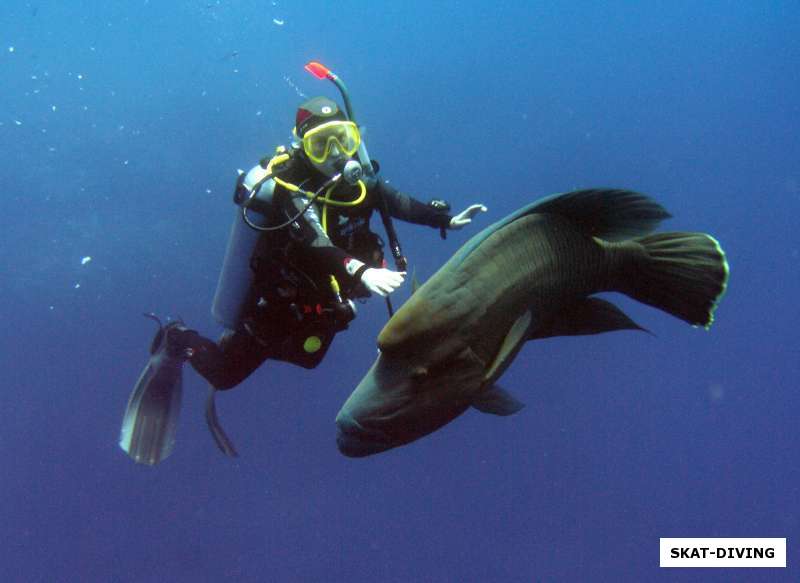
x,y
300,251
293,313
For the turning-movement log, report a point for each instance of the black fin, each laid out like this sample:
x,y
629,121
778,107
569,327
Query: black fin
x,y
684,274
607,213
587,316
151,417
159,337
497,401
222,440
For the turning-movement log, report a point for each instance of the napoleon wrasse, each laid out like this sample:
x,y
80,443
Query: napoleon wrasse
x,y
528,276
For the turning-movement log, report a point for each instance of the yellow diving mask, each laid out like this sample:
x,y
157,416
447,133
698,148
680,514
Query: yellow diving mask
x,y
318,141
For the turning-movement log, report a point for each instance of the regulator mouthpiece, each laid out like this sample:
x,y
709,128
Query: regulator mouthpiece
x,y
352,172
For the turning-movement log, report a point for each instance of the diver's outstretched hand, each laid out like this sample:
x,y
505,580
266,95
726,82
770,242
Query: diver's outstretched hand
x,y
382,281
465,217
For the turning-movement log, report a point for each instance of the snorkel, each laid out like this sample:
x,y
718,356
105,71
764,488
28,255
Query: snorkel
x,y
320,71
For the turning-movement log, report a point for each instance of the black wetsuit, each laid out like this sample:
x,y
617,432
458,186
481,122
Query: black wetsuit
x,y
291,303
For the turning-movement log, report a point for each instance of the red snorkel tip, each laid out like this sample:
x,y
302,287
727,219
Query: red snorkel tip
x,y
319,70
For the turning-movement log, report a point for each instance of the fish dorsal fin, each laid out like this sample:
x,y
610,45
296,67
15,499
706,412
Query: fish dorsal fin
x,y
497,401
606,213
587,316
516,336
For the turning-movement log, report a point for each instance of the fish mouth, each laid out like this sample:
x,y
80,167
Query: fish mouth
x,y
354,440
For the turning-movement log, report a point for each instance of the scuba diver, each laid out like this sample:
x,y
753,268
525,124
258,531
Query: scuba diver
x,y
315,257
299,252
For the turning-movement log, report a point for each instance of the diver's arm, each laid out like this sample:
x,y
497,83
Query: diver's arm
x,y
435,214
406,208
326,256
317,247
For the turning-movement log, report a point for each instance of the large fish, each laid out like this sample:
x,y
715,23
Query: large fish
x,y
528,276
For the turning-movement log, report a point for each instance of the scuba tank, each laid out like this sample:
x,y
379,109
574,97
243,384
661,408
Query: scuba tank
x,y
237,276
255,216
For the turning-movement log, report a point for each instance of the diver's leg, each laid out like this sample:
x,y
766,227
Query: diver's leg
x,y
228,363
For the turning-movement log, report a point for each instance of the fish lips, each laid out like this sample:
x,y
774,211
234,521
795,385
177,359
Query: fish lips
x,y
390,407
354,440
365,423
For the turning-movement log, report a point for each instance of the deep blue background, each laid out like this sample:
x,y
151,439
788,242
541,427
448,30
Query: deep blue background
x,y
122,125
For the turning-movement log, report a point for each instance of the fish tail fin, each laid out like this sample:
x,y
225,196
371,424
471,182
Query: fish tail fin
x,y
683,274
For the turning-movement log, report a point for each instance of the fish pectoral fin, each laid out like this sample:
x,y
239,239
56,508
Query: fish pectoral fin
x,y
415,284
497,401
587,316
515,337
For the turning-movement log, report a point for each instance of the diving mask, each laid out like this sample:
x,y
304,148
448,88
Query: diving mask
x,y
318,141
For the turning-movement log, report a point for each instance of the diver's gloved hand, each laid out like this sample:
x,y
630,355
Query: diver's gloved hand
x,y
465,217
382,281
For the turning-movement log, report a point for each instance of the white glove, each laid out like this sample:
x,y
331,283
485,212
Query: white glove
x,y
465,217
382,281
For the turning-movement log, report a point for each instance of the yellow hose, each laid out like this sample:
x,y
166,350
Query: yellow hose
x,y
325,199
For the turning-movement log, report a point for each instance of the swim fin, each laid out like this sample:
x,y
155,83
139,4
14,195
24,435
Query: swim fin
x,y
221,438
151,417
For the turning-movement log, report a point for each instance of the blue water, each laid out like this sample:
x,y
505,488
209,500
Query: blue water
x,y
122,125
